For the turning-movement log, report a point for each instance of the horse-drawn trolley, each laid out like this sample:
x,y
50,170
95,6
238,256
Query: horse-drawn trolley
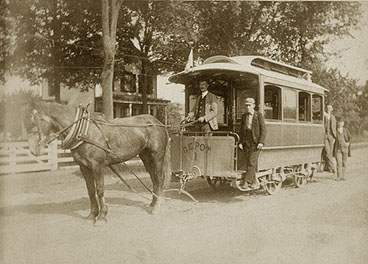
x,y
292,106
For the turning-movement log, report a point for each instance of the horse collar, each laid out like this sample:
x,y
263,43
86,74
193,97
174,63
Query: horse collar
x,y
79,129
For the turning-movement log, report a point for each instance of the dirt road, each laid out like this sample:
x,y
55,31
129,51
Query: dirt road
x,y
41,217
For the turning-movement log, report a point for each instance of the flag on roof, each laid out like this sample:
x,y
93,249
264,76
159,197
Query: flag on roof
x,y
189,66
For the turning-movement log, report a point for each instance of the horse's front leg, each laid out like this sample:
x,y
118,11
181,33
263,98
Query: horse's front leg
x,y
90,183
100,185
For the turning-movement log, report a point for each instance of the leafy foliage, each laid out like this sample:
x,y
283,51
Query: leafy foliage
x,y
62,39
12,107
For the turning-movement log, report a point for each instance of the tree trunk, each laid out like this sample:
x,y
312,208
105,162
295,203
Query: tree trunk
x,y
56,86
110,12
144,88
107,85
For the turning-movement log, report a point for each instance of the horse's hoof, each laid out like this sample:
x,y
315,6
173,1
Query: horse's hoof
x,y
91,217
100,221
155,210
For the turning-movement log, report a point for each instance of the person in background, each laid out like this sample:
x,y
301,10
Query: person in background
x,y
205,109
252,137
341,149
329,140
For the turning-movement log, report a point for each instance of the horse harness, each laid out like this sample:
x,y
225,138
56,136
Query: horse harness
x,y
78,135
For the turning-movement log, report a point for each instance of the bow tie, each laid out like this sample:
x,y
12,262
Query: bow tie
x,y
249,113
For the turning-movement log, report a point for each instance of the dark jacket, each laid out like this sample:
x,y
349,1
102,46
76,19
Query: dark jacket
x,y
333,124
258,128
347,137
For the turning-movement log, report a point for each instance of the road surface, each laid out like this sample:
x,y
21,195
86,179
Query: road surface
x,y
42,221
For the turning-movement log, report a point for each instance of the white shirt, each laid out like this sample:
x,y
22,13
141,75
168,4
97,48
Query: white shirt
x,y
249,120
204,94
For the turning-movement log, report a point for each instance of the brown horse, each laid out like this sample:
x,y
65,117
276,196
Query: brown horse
x,y
140,135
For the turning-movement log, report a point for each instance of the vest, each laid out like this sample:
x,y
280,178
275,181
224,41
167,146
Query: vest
x,y
201,107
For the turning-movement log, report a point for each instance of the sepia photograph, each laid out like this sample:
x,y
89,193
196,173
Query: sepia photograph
x,y
175,131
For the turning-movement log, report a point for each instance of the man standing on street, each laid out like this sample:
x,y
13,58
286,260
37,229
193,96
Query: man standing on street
x,y
341,149
252,137
329,140
205,109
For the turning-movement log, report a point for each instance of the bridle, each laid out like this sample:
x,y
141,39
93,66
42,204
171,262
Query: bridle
x,y
78,135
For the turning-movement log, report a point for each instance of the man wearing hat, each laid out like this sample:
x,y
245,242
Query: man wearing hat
x,y
205,109
252,137
329,140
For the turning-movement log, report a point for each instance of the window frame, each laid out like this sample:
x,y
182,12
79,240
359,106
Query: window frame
x,y
280,103
320,120
308,118
295,119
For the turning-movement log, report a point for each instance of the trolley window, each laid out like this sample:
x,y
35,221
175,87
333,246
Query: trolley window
x,y
289,107
304,106
317,108
272,101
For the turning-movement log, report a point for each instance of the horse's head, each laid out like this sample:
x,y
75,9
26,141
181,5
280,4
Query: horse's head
x,y
39,127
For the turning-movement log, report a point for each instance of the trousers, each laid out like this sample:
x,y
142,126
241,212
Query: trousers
x,y
203,127
328,151
341,160
251,158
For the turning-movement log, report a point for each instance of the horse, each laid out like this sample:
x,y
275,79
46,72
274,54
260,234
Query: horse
x,y
105,143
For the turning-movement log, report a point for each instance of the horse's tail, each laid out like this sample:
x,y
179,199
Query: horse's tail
x,y
167,164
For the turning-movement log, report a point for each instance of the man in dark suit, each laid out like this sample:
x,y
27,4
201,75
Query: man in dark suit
x,y
329,140
252,137
205,109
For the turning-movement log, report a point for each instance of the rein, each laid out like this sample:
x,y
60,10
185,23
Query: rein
x,y
78,135
83,116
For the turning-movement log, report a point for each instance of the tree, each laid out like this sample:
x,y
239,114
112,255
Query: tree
x,y
343,92
110,12
150,21
300,30
5,38
11,106
173,111
362,102
59,40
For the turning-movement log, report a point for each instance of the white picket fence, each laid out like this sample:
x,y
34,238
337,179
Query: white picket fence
x,y
16,157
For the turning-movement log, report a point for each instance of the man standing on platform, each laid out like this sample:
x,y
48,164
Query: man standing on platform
x,y
252,137
329,140
205,109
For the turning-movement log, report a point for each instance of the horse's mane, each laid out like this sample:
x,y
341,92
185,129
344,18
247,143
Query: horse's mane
x,y
54,109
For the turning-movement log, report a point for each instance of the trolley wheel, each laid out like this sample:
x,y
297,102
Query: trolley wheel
x,y
300,180
216,182
271,186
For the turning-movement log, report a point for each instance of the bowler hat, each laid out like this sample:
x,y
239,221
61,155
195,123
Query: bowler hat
x,y
249,100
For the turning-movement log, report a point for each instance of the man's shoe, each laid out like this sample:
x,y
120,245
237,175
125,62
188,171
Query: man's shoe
x,y
245,185
337,179
343,179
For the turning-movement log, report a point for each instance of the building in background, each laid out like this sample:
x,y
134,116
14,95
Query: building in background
x,y
127,96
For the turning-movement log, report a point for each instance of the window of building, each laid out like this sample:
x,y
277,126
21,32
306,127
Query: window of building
x,y
304,106
317,108
272,101
137,109
128,83
290,102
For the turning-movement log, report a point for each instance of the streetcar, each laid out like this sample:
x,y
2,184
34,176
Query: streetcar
x,y
292,106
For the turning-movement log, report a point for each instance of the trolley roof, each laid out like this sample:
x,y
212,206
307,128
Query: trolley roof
x,y
274,72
